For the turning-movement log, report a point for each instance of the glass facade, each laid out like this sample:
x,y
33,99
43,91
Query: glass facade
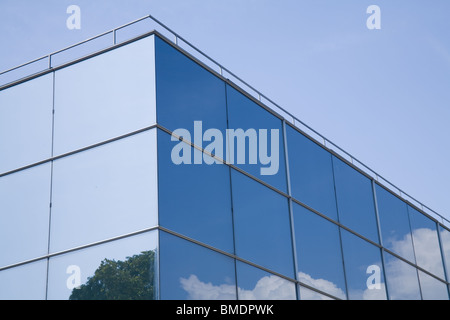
x,y
140,173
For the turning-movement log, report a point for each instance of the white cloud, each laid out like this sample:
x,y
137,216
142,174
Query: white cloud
x,y
267,288
199,290
320,284
401,277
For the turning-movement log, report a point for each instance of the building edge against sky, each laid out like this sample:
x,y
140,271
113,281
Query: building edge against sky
x,y
396,256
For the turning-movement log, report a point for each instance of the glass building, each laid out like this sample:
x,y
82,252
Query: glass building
x,y
141,172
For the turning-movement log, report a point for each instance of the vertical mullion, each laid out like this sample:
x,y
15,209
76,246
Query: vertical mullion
x,y
51,184
380,239
291,211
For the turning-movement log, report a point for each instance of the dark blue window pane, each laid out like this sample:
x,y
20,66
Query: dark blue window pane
x,y
311,173
432,288
355,200
363,268
319,256
445,242
191,272
194,199
394,224
256,284
262,226
265,135
187,92
426,243
401,279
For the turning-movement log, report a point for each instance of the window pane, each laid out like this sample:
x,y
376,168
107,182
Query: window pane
x,y
24,214
194,199
401,279
106,96
426,243
394,224
26,123
256,284
355,200
104,192
261,225
319,256
363,268
308,294
25,282
265,139
432,289
186,92
123,269
192,272
445,242
311,173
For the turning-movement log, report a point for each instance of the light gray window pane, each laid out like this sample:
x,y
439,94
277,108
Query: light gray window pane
x,y
394,224
106,96
319,255
104,192
26,123
308,294
445,242
192,272
426,243
123,269
256,284
25,282
24,214
401,279
432,288
363,268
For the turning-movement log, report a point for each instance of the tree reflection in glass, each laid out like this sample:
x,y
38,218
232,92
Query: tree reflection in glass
x,y
131,279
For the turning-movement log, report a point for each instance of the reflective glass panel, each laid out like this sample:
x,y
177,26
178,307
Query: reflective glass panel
x,y
432,288
187,92
105,96
445,242
25,282
311,173
394,224
308,294
123,269
319,255
261,225
194,199
363,268
401,279
426,243
104,192
24,214
192,272
255,140
256,284
355,200
26,123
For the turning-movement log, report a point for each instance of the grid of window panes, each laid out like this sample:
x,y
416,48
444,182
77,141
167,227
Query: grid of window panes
x,y
78,180
92,205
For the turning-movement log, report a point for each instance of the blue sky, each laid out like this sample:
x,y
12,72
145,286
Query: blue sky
x,y
382,95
